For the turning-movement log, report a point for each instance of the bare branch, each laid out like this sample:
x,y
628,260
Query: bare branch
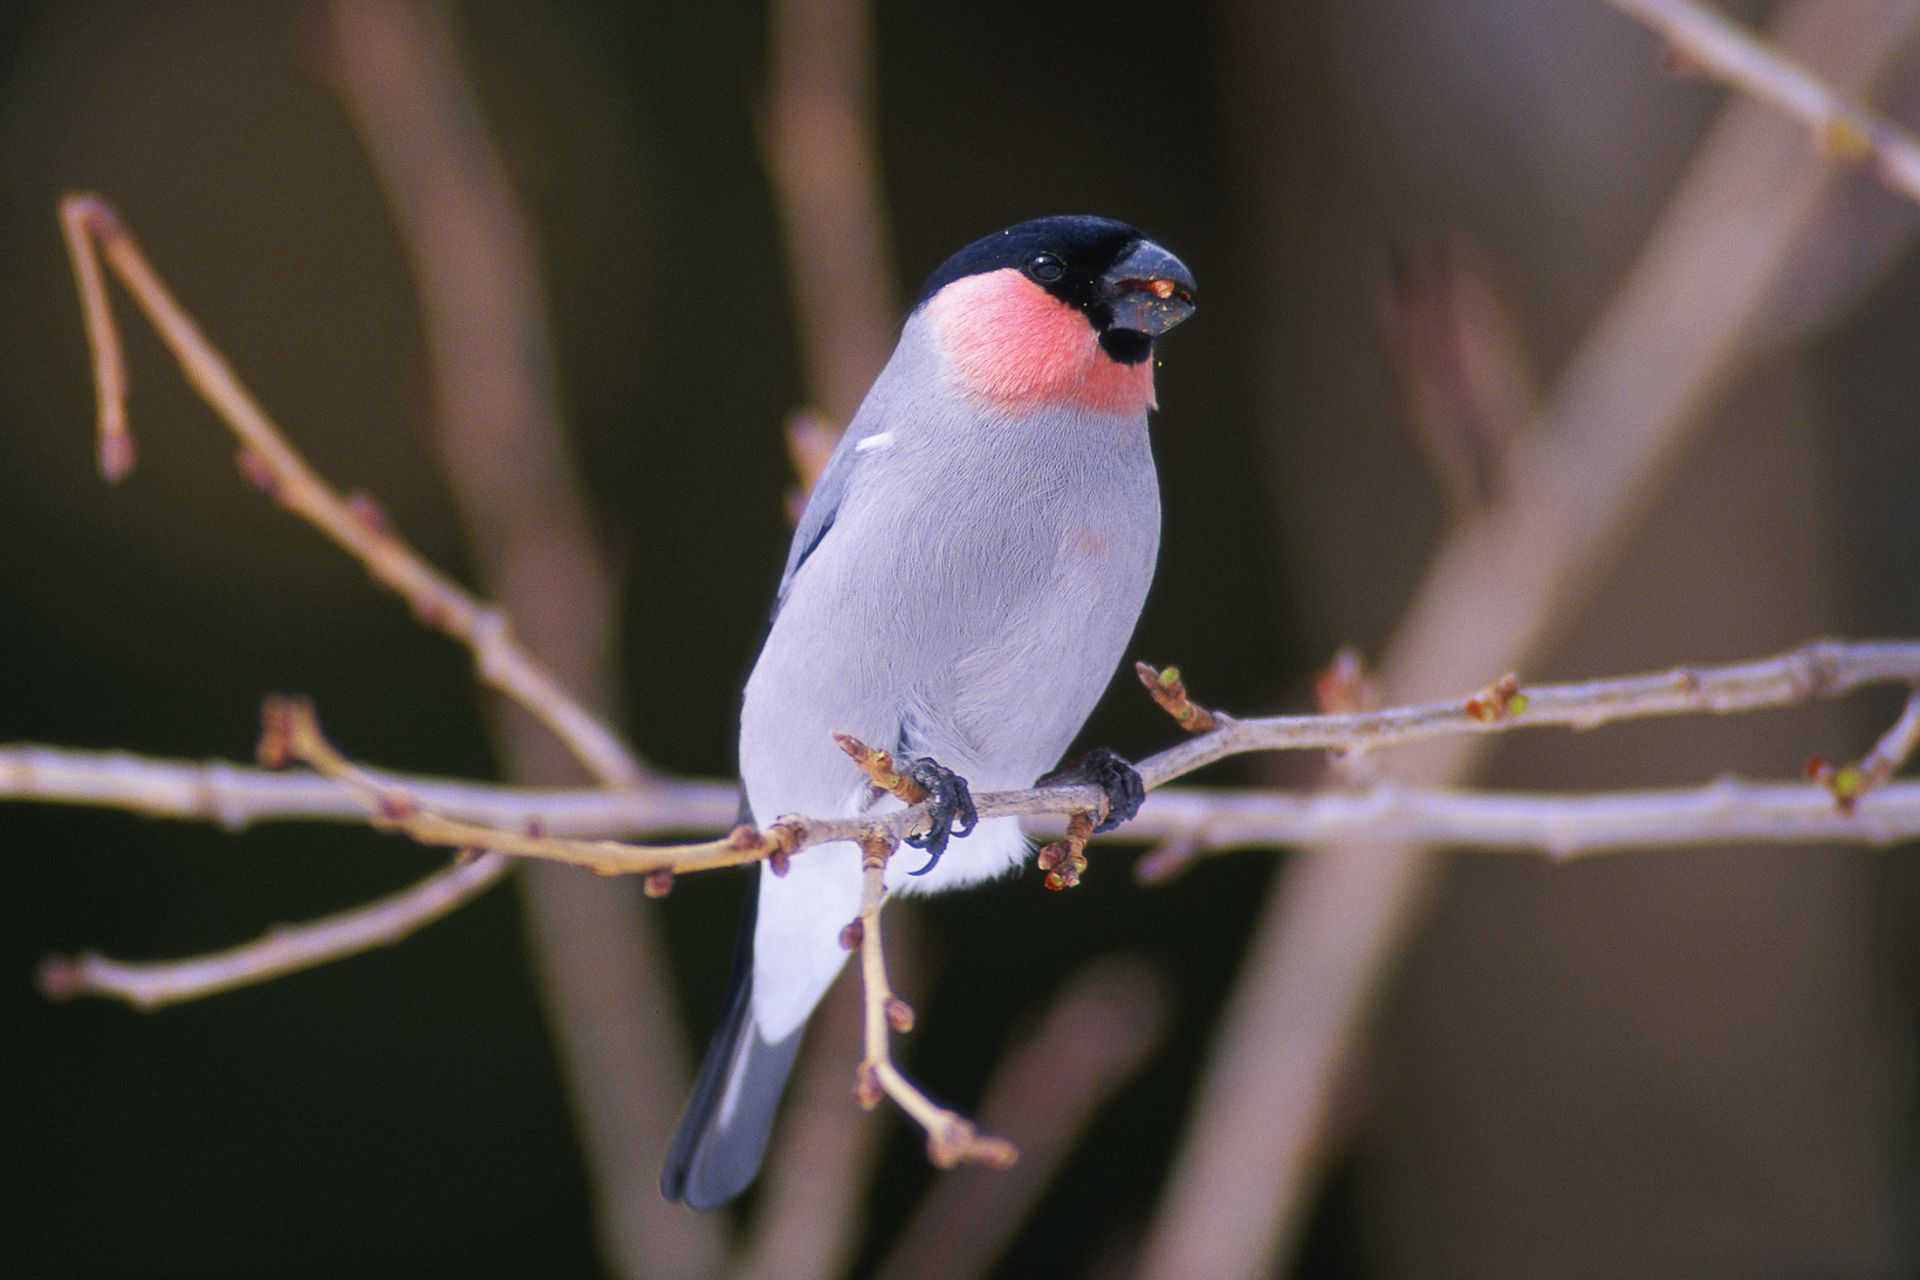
x,y
1821,669
283,950
1703,39
1192,821
92,228
453,814
1559,824
234,797
951,1138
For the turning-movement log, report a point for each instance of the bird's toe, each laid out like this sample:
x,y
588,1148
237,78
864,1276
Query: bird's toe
x,y
950,808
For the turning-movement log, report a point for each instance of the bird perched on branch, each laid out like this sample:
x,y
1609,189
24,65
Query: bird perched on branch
x,y
960,588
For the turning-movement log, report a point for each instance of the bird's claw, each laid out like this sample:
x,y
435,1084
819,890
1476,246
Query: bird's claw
x,y
950,810
1106,769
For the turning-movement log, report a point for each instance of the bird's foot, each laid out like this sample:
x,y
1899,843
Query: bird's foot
x,y
949,807
1105,769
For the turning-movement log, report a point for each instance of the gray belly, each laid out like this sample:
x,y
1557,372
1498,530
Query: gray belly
x,y
981,635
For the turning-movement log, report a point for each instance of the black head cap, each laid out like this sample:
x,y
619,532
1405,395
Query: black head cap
x,y
1079,247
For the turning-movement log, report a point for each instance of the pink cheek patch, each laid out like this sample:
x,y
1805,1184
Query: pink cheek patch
x,y
1012,343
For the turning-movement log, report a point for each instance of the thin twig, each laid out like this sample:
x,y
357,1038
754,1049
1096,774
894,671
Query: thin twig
x,y
283,950
951,1137
92,229
1703,39
1820,669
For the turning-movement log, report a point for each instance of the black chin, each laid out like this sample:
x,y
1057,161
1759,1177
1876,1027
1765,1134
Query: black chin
x,y
1127,346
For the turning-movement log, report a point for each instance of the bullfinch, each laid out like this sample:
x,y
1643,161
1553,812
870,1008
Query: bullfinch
x,y
960,587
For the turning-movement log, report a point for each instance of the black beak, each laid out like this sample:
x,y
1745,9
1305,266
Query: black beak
x,y
1149,291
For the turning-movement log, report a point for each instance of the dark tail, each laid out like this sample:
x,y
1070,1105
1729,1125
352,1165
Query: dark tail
x,y
723,1132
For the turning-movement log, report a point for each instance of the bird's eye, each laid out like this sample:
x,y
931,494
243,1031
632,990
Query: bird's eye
x,y
1046,268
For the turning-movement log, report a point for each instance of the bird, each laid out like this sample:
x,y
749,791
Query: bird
x,y
960,587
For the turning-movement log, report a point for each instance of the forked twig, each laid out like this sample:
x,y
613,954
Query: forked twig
x,y
92,230
1849,782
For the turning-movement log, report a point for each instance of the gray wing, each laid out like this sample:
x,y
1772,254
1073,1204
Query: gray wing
x,y
823,504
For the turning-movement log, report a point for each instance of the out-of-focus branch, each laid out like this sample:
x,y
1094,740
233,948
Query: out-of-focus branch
x,y
826,175
283,950
93,229
1451,345
1627,405
505,453
1098,1033
1703,39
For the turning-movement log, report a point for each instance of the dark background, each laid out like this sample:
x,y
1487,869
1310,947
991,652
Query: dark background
x,y
401,1114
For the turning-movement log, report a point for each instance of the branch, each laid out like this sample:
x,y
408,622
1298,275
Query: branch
x,y
91,229
1561,825
951,1138
271,463
1705,40
455,814
235,797
1849,782
1190,821
1821,669
283,950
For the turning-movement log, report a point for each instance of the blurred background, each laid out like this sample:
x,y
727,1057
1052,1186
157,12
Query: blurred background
x,y
1407,219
